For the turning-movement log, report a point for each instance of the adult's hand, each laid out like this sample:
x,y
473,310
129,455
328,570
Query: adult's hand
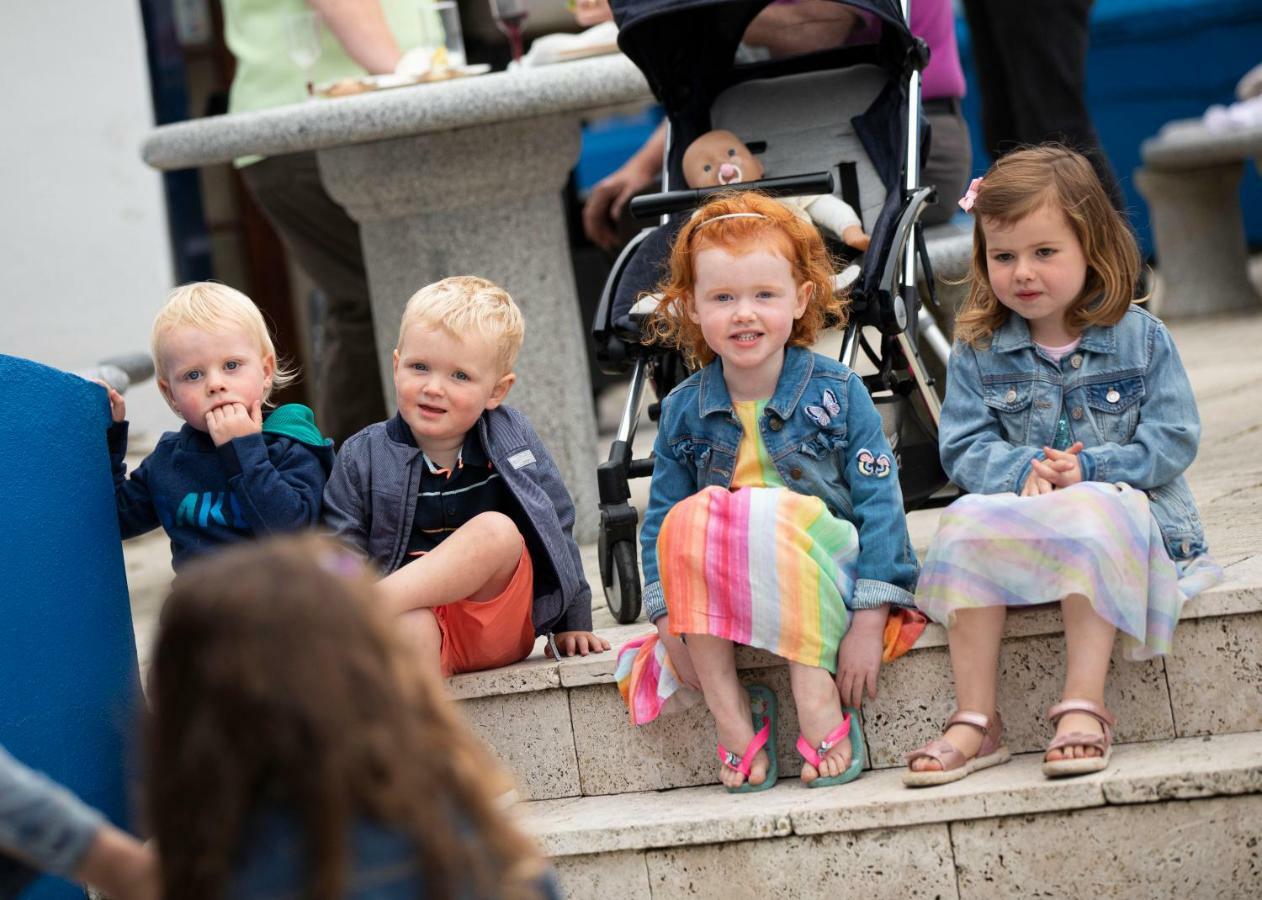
x,y
611,194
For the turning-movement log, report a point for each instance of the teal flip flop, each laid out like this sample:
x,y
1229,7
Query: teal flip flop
x,y
762,705
858,750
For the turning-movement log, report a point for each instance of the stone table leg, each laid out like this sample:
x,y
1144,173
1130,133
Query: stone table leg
x,y
484,201
1198,233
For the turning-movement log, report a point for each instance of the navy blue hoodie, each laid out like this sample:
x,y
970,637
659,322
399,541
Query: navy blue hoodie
x,y
206,496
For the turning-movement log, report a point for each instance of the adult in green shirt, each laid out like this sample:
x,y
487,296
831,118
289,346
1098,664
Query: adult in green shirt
x,y
357,37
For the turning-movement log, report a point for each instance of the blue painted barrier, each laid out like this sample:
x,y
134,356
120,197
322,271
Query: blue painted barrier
x,y
69,683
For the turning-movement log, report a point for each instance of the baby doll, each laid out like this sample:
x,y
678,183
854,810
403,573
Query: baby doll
x,y
720,157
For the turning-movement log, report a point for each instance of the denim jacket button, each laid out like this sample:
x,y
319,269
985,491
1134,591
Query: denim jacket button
x,y
775,423
1011,396
1186,547
795,473
1077,413
1112,396
1076,360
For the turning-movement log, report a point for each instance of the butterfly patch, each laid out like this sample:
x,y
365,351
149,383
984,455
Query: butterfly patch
x,y
822,415
873,466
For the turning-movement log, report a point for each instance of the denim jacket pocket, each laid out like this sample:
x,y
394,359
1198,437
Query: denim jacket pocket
x,y
1011,402
701,457
1114,407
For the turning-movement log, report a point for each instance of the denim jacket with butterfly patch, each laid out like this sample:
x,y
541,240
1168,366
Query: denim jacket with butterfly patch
x,y
824,437
1123,393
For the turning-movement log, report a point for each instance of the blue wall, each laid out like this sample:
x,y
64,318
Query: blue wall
x,y
67,655
1152,61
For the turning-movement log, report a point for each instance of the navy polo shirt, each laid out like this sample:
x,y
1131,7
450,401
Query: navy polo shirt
x,y
448,498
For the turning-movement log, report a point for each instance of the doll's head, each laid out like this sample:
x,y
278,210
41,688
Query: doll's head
x,y
1048,182
741,223
719,157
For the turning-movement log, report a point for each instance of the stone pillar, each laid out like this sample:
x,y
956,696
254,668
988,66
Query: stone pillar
x,y
435,204
1198,234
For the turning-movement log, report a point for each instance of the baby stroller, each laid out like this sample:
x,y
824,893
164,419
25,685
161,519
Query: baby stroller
x,y
845,120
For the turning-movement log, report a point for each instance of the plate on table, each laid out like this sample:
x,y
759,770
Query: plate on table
x,y
364,84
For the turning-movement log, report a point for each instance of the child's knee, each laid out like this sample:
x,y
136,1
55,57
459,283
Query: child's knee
x,y
498,533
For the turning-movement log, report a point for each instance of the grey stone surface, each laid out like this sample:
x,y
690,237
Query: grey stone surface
x,y
1198,233
1177,769
535,674
1215,675
1200,848
532,737
917,695
577,87
486,202
1188,144
908,863
607,876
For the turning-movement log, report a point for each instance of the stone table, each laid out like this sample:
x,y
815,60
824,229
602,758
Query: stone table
x,y
458,177
1191,180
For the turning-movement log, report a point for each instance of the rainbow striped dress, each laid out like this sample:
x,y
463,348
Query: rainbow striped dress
x,y
759,564
1093,538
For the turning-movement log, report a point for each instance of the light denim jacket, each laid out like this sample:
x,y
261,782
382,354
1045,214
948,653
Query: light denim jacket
x,y
696,447
1126,397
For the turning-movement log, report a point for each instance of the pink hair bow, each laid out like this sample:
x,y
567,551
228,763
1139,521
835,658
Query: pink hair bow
x,y
970,196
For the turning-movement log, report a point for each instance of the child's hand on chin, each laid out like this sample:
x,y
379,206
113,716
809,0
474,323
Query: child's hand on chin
x,y
679,655
859,656
577,642
233,421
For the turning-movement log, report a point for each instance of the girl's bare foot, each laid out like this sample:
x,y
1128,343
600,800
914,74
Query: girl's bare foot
x,y
819,714
735,728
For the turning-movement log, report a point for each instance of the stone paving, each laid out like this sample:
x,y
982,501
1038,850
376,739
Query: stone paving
x,y
1222,358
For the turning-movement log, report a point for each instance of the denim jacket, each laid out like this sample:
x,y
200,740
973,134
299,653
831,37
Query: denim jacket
x,y
1125,395
832,447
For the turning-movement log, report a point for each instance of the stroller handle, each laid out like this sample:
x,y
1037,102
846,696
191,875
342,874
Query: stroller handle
x,y
650,206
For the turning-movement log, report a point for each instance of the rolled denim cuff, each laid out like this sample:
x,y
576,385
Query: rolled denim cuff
x,y
869,594
1023,475
654,601
1088,462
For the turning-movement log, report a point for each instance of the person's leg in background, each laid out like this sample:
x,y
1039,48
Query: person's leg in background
x,y
1033,54
325,243
950,159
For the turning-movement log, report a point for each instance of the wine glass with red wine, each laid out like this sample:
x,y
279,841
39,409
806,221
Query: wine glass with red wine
x,y
510,18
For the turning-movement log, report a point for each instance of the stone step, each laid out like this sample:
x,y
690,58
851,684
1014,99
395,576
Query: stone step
x,y
1174,818
562,728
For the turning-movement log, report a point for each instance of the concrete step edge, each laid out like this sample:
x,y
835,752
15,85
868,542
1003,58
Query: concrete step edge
x,y
1156,772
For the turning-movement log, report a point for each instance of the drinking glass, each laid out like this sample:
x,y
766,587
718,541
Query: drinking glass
x,y
510,17
440,27
302,42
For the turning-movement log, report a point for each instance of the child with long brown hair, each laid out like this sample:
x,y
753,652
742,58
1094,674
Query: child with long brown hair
x,y
295,749
1069,417
775,518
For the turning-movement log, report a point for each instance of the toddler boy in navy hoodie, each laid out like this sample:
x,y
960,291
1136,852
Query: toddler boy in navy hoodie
x,y
232,471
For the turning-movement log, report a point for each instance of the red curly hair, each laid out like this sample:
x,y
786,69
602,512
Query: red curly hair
x,y
772,226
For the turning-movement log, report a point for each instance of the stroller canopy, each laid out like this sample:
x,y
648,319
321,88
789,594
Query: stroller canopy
x,y
685,48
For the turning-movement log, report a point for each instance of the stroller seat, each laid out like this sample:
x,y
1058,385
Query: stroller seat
x,y
849,114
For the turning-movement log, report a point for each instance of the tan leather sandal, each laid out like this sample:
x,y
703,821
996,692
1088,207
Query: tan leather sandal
x,y
1058,768
955,765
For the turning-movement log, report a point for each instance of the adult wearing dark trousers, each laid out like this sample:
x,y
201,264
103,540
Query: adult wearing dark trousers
x,y
1031,59
358,37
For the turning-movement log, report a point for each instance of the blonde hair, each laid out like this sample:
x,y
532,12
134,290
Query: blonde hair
x,y
1050,175
464,303
212,307
757,222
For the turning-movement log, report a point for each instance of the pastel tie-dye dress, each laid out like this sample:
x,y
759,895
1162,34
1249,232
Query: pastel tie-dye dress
x,y
760,564
1093,538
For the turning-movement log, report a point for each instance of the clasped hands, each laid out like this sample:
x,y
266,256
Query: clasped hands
x,y
1059,469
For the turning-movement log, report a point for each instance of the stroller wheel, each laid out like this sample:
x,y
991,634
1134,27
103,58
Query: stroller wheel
x,y
621,578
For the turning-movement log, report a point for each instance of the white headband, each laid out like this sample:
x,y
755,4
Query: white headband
x,y
737,215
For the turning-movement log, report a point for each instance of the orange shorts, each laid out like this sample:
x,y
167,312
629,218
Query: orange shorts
x,y
491,633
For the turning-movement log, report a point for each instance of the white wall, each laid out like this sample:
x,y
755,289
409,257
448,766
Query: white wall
x,y
84,255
